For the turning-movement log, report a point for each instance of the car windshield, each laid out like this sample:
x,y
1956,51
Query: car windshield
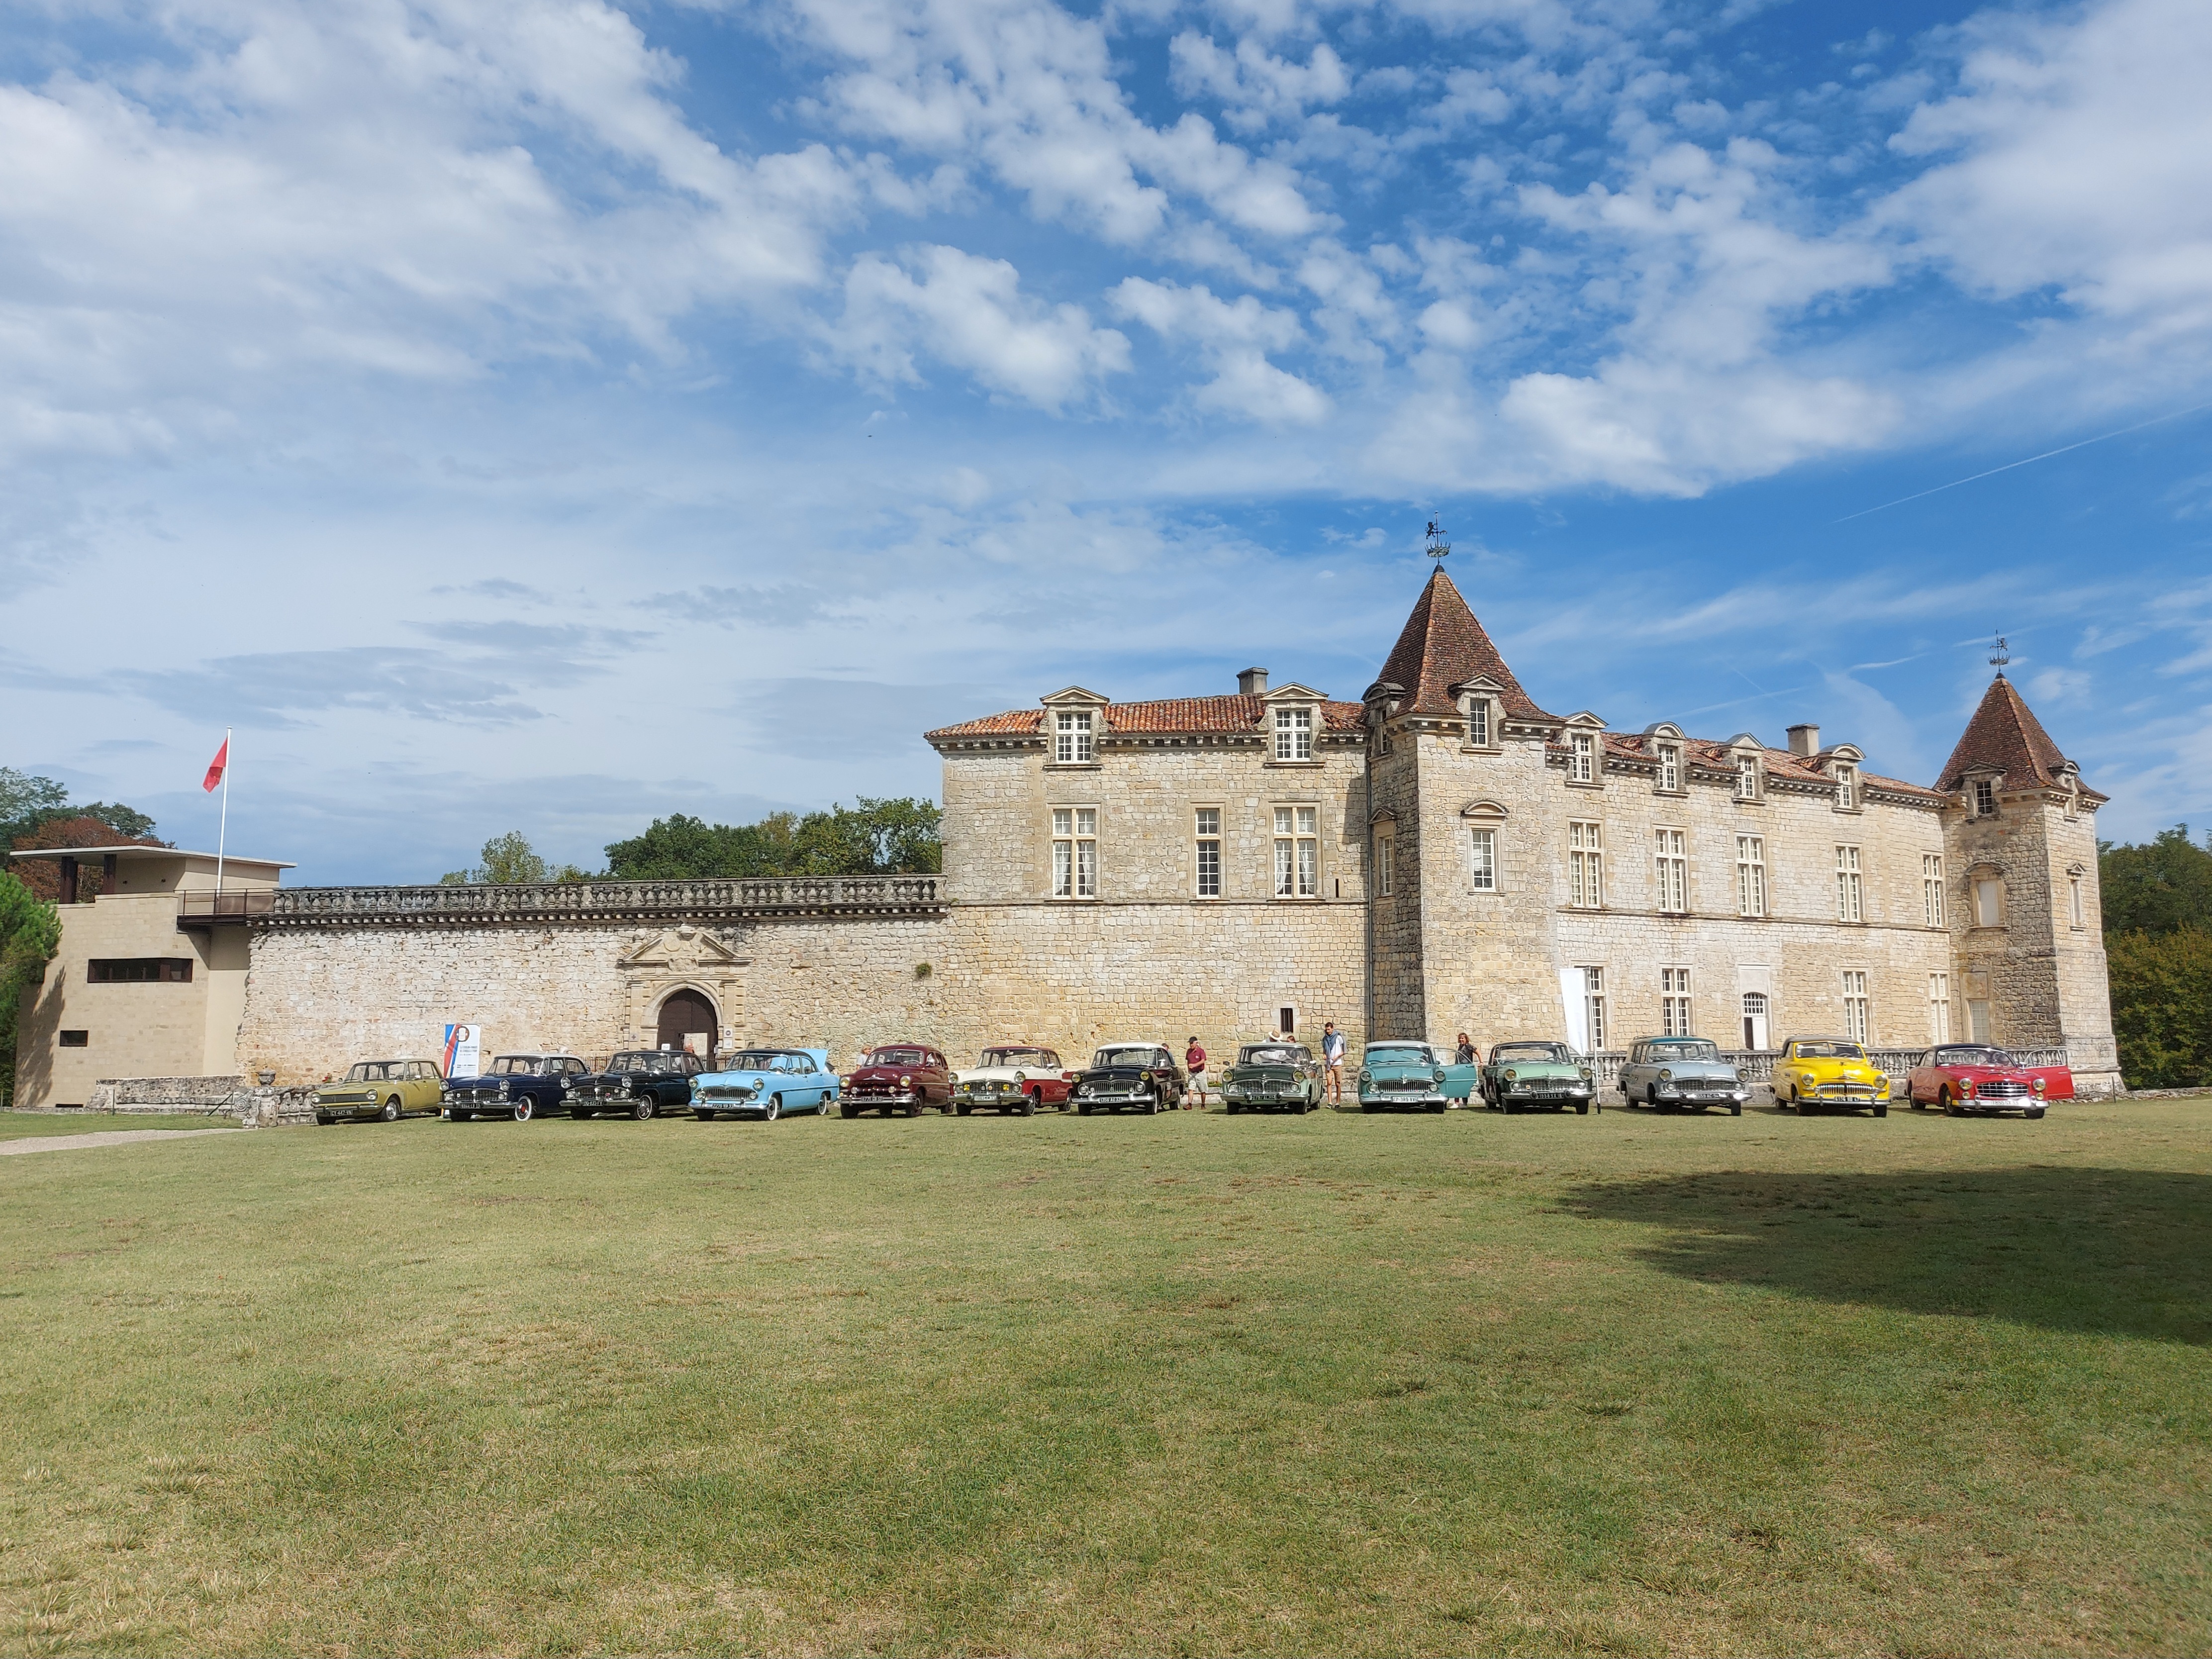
x,y
515,1064
1015,1057
898,1057
754,1059
1399,1054
1827,1049
1140,1058
377,1071
1274,1054
647,1060
1684,1050
1529,1051
1976,1055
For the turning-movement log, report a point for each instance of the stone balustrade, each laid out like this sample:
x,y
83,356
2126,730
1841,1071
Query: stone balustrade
x,y
484,904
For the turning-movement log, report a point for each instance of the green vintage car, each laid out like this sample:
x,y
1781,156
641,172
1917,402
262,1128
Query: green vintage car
x,y
1407,1074
1273,1076
1532,1076
389,1089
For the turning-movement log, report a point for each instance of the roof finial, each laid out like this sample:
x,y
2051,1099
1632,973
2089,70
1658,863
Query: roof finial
x,y
2000,655
1439,549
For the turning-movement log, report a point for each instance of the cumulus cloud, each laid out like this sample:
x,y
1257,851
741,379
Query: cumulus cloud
x,y
1234,337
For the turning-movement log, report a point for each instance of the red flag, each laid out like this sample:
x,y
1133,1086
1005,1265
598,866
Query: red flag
x,y
216,767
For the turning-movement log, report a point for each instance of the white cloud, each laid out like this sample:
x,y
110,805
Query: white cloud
x,y
969,313
1257,88
1234,338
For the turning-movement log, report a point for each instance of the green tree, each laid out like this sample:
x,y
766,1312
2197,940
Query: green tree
x,y
28,804
682,847
30,933
2163,884
509,860
874,836
2162,1006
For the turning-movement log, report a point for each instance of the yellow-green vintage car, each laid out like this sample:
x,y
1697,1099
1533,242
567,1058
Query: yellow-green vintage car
x,y
1820,1074
389,1089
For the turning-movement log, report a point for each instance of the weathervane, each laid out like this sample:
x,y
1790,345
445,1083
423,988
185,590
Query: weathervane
x,y
1439,549
2000,655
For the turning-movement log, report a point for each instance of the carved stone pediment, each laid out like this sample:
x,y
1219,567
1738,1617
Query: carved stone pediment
x,y
683,949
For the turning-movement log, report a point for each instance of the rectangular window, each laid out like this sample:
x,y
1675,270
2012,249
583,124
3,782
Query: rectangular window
x,y
1931,890
1594,1006
1294,734
1075,852
1746,777
1670,766
1857,1018
2074,900
1939,1007
1585,865
1582,757
1072,737
76,1039
1478,722
1977,1020
1674,1001
1209,852
1298,852
1986,799
1989,904
140,970
1382,871
1672,869
1850,889
1847,788
1750,876
1483,852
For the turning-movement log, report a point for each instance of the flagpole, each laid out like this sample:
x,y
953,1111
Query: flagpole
x,y
222,825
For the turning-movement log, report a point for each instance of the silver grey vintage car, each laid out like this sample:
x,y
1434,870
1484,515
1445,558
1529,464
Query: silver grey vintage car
x,y
1678,1073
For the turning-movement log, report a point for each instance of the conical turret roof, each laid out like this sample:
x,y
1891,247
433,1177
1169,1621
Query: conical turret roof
x,y
1443,645
2004,736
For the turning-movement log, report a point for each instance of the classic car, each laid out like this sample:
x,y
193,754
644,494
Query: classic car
x,y
1974,1076
1125,1077
1816,1073
389,1089
519,1086
639,1083
765,1083
1013,1078
1524,1077
1402,1073
1273,1076
899,1076
1673,1073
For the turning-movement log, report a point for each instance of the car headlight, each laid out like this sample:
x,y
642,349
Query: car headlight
x,y
2039,1085
1439,1077
503,1088
1509,1074
906,1083
1880,1077
1588,1074
1666,1076
1021,1076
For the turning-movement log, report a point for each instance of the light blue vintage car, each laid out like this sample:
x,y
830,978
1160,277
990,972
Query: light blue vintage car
x,y
765,1083
1408,1073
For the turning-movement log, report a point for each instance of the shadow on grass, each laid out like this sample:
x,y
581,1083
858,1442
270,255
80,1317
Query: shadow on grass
x,y
2108,1252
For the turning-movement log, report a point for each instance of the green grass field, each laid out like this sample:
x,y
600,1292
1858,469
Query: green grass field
x,y
1189,1384
31,1126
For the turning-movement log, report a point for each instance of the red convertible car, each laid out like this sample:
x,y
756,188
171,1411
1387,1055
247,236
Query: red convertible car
x,y
1973,1077
899,1076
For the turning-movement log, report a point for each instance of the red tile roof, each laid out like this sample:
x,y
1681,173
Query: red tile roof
x,y
2005,735
1443,645
1168,717
1778,763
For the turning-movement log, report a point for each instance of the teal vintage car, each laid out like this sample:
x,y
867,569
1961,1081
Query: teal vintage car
x,y
1405,1073
763,1084
1533,1076
1273,1076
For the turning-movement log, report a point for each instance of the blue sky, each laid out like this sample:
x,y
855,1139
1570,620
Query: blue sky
x,y
536,416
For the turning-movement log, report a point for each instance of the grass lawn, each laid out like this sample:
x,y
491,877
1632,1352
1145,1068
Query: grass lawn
x,y
31,1126
1191,1384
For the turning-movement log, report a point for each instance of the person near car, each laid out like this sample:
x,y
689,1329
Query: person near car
x,y
1332,1060
1194,1061
1466,1053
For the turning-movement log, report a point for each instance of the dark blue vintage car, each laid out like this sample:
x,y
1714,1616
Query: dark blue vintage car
x,y
519,1086
639,1083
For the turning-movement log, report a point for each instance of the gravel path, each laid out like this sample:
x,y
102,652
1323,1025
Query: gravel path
x,y
104,1137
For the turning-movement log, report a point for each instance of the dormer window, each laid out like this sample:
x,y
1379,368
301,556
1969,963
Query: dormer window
x,y
1072,737
1847,788
2073,796
1746,777
1582,757
1478,722
1670,766
1294,734
1985,798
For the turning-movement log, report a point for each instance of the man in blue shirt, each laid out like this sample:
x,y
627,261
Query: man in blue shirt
x,y
1332,1059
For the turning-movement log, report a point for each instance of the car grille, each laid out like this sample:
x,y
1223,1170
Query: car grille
x,y
474,1096
353,1098
871,1091
1844,1092
1402,1083
2004,1088
727,1092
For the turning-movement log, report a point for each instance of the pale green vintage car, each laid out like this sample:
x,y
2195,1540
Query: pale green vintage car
x,y
1537,1076
1273,1076
387,1088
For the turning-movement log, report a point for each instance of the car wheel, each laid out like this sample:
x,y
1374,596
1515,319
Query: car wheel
x,y
965,1108
774,1108
1950,1105
2035,1115
1083,1109
644,1109
325,1121
913,1108
702,1114
390,1112
845,1108
1029,1103
524,1109
1582,1109
1881,1109
464,1117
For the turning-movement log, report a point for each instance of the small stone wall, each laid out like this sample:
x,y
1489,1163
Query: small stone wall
x,y
253,1107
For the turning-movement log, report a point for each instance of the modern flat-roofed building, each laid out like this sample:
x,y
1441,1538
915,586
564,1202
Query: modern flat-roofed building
x,y
150,977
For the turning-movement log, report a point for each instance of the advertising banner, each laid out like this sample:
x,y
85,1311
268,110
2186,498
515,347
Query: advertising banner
x,y
463,1051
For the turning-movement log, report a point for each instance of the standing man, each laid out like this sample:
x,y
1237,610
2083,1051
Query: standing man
x,y
1194,1061
1332,1060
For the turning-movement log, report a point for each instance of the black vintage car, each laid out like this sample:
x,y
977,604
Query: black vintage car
x,y
519,1086
639,1083
1129,1077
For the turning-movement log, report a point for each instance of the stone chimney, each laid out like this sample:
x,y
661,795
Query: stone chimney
x,y
1805,741
1252,681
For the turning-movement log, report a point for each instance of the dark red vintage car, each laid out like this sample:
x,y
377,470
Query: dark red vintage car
x,y
1974,1076
899,1076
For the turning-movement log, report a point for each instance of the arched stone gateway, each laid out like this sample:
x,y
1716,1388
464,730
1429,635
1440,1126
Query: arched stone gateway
x,y
688,1019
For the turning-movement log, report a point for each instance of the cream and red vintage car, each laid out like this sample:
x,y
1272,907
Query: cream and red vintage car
x,y
1975,1077
1830,1074
1012,1077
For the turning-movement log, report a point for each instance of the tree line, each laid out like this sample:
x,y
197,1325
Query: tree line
x,y
874,836
2158,946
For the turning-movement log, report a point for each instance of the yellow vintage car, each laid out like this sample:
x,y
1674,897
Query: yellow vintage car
x,y
1818,1074
388,1089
